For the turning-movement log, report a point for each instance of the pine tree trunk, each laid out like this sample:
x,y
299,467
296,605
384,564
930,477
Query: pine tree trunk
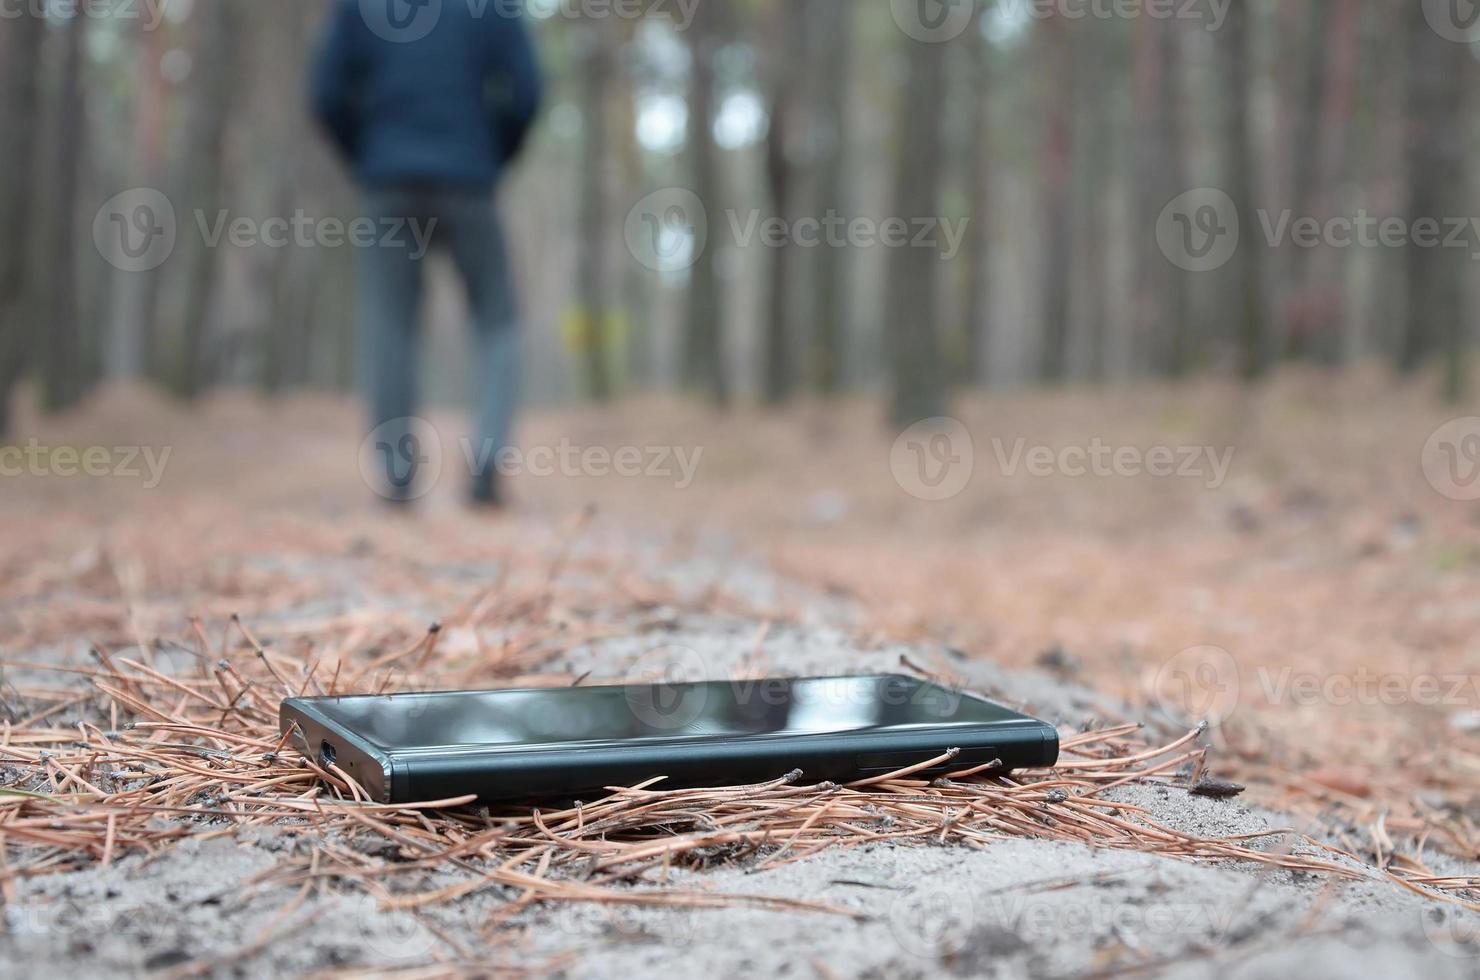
x,y
592,274
1161,307
912,302
834,65
789,40
131,349
62,369
1246,306
20,97
975,326
203,144
704,366
1439,72
1057,191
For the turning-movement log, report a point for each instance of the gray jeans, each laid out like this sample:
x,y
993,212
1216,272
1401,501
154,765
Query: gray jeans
x,y
391,275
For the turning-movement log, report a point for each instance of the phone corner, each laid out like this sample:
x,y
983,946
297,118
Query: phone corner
x,y
292,711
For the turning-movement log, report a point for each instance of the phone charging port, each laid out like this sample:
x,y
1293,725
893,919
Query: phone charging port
x,y
327,755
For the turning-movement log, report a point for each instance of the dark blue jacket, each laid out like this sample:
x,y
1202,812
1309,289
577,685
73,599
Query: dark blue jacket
x,y
426,91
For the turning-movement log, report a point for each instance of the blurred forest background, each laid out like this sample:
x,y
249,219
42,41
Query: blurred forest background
x,y
1059,139
1095,158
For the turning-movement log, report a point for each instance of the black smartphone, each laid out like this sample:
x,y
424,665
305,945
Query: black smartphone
x,y
564,742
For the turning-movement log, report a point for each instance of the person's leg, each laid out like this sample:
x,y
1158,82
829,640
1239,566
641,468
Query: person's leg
x,y
388,297
475,237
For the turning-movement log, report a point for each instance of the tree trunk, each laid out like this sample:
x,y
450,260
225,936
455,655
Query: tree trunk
x,y
1308,312
202,145
1321,275
1246,307
911,301
289,171
62,368
1093,169
637,289
1439,73
834,68
1308,47
789,43
131,348
1160,175
975,325
20,111
704,358
592,272
1057,177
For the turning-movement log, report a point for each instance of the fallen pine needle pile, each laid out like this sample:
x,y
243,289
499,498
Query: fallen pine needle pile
x,y
170,757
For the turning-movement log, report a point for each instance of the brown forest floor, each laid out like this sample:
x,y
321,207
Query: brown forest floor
x,y
1325,559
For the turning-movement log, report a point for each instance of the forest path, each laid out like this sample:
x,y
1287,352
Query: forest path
x,y
261,515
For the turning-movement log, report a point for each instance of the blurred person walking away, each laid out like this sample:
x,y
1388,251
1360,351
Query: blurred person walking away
x,y
428,104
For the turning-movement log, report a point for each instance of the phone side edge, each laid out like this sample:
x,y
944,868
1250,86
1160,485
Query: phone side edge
x,y
1050,745
370,767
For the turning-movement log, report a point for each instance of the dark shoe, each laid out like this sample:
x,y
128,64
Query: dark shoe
x,y
397,498
487,493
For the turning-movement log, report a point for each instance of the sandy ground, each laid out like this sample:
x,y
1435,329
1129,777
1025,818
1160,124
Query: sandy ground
x,y
1019,908
1008,911
1282,564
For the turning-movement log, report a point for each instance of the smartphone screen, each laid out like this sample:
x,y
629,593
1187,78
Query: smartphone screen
x,y
773,706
